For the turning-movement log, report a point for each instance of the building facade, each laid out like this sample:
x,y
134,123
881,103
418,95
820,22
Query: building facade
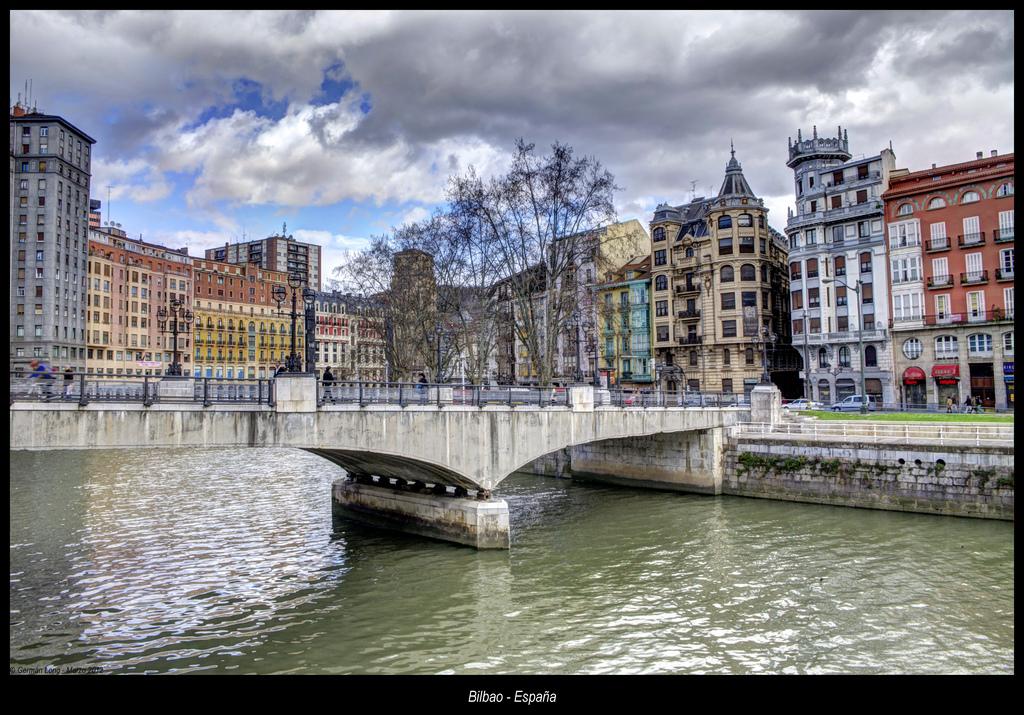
x,y
624,307
838,269
128,282
350,337
951,251
281,253
50,178
719,290
240,330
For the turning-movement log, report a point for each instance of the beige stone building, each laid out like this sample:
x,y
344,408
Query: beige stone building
x,y
719,284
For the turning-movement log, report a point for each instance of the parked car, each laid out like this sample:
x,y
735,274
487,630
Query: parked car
x,y
853,403
802,404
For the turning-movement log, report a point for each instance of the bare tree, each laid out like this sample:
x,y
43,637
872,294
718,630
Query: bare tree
x,y
538,223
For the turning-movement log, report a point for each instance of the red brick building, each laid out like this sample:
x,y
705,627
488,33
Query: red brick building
x,y
950,244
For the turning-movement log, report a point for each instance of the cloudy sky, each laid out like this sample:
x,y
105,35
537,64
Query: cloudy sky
x,y
344,124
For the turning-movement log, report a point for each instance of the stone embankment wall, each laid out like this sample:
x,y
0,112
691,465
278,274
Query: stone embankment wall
x,y
972,481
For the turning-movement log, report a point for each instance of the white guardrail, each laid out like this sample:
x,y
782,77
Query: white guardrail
x,y
882,432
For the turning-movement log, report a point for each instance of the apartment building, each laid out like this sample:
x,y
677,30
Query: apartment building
x,y
281,253
624,310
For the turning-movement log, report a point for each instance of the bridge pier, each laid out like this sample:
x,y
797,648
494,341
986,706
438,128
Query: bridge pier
x,y
462,519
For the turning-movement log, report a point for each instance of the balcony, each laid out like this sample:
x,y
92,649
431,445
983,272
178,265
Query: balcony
x,y
688,288
936,282
971,239
690,340
1004,275
936,244
688,314
1002,235
979,316
975,278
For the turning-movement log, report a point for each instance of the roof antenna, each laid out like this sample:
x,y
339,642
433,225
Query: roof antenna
x,y
693,189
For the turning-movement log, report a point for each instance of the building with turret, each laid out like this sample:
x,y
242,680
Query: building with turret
x,y
719,287
838,271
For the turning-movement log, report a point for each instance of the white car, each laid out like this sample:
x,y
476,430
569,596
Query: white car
x,y
853,403
802,404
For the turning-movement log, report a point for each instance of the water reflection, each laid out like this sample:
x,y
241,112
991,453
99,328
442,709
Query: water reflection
x,y
208,560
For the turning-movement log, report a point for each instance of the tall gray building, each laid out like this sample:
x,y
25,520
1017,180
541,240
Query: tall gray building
x,y
276,253
839,274
50,177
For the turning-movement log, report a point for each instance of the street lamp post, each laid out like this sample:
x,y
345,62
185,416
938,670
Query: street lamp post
x,y
309,299
295,281
860,336
180,318
764,338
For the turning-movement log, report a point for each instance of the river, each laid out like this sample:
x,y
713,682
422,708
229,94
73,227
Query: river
x,y
229,561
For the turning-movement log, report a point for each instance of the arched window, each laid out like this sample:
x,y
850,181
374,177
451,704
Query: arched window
x,y
693,358
870,356
745,220
659,234
748,272
748,356
725,222
905,210
946,346
822,357
970,197
979,343
1005,190
661,283
844,357
937,203
728,275
689,251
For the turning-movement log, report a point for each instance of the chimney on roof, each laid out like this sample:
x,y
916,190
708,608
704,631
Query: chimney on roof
x,y
994,153
979,154
933,166
17,110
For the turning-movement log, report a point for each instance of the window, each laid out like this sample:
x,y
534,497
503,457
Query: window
x,y
1008,343
724,222
812,267
659,257
796,299
749,298
748,356
866,295
725,246
659,234
1006,262
864,229
728,328
862,196
844,357
798,327
912,348
870,356
814,325
837,202
946,346
865,263
813,298
661,283
842,323
728,301
728,275
822,357
840,295
969,197
662,333
811,236
745,220
661,307
746,244
905,210
1005,190
979,343
794,271
693,358
937,203
727,385
840,265
727,355
748,272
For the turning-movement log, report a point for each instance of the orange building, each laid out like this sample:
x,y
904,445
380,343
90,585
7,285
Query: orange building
x,y
951,256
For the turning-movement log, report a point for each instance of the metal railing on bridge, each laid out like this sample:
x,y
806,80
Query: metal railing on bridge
x,y
84,388
627,397
406,394
862,431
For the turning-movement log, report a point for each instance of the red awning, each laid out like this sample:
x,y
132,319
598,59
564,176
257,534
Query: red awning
x,y
913,375
946,370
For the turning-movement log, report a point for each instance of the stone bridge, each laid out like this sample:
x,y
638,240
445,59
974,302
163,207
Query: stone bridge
x,y
469,448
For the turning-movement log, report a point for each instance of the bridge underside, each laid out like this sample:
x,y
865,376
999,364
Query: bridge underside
x,y
360,464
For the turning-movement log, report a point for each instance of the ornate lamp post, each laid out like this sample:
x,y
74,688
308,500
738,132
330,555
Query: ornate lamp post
x,y
764,338
860,336
576,320
295,281
179,318
309,299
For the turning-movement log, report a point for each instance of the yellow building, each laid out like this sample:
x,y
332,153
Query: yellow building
x,y
240,331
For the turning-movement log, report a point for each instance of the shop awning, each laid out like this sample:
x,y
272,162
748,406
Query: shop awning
x,y
913,375
946,371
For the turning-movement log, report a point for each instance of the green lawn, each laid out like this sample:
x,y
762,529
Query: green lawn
x,y
907,416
